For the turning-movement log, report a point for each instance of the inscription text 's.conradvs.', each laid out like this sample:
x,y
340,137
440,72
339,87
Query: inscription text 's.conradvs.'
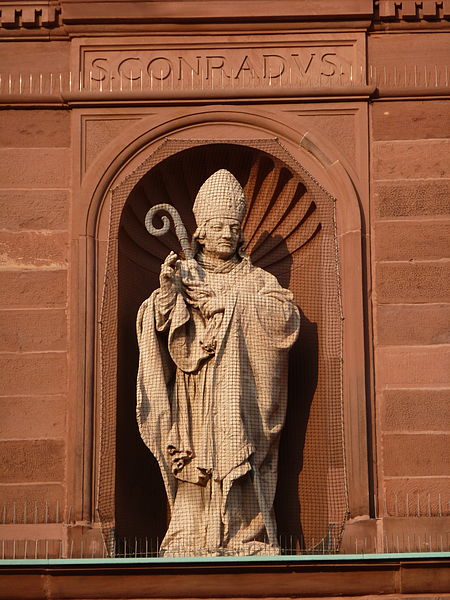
x,y
220,68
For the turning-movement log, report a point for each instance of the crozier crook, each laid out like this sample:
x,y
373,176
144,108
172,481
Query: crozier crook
x,y
180,229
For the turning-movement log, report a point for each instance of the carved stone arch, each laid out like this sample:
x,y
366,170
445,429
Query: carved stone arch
x,y
125,152
139,143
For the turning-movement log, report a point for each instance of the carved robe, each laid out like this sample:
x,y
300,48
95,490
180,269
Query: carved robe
x,y
211,404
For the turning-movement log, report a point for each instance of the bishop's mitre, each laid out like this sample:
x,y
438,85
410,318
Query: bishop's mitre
x,y
220,196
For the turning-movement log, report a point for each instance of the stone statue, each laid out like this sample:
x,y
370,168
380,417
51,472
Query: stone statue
x,y
212,383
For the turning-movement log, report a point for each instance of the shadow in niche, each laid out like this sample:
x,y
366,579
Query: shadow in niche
x,y
303,374
277,260
140,495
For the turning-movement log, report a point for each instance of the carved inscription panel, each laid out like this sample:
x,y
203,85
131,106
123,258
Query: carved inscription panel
x,y
309,61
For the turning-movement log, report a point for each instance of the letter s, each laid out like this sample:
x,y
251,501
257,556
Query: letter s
x,y
102,70
324,59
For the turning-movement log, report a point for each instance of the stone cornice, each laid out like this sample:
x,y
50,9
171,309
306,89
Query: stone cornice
x,y
142,11
31,15
97,17
411,10
71,99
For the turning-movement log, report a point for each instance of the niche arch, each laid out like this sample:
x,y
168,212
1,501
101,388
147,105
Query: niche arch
x,y
314,157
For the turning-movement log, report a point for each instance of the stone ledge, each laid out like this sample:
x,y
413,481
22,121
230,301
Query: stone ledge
x,y
238,579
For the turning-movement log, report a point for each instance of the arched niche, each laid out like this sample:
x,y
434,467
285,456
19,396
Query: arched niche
x,y
136,506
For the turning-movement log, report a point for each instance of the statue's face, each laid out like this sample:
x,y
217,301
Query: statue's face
x,y
221,237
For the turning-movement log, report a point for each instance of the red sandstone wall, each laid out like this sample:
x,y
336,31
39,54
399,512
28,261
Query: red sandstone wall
x,y
35,206
410,243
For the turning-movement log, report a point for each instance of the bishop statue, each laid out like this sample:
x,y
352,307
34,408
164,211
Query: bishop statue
x,y
212,383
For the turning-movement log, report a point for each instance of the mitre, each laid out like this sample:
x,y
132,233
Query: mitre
x,y
220,196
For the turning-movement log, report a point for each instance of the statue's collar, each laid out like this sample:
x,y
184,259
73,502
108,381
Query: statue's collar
x,y
214,265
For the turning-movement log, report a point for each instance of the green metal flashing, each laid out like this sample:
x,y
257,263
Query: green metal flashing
x,y
220,560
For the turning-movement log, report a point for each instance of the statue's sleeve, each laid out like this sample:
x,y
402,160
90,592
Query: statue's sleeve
x,y
276,311
155,371
164,304
184,328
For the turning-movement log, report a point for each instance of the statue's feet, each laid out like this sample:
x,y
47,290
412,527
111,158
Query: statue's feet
x,y
253,548
174,551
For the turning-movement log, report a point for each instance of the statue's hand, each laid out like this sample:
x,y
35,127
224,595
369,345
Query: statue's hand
x,y
197,292
194,287
168,273
189,272
212,306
